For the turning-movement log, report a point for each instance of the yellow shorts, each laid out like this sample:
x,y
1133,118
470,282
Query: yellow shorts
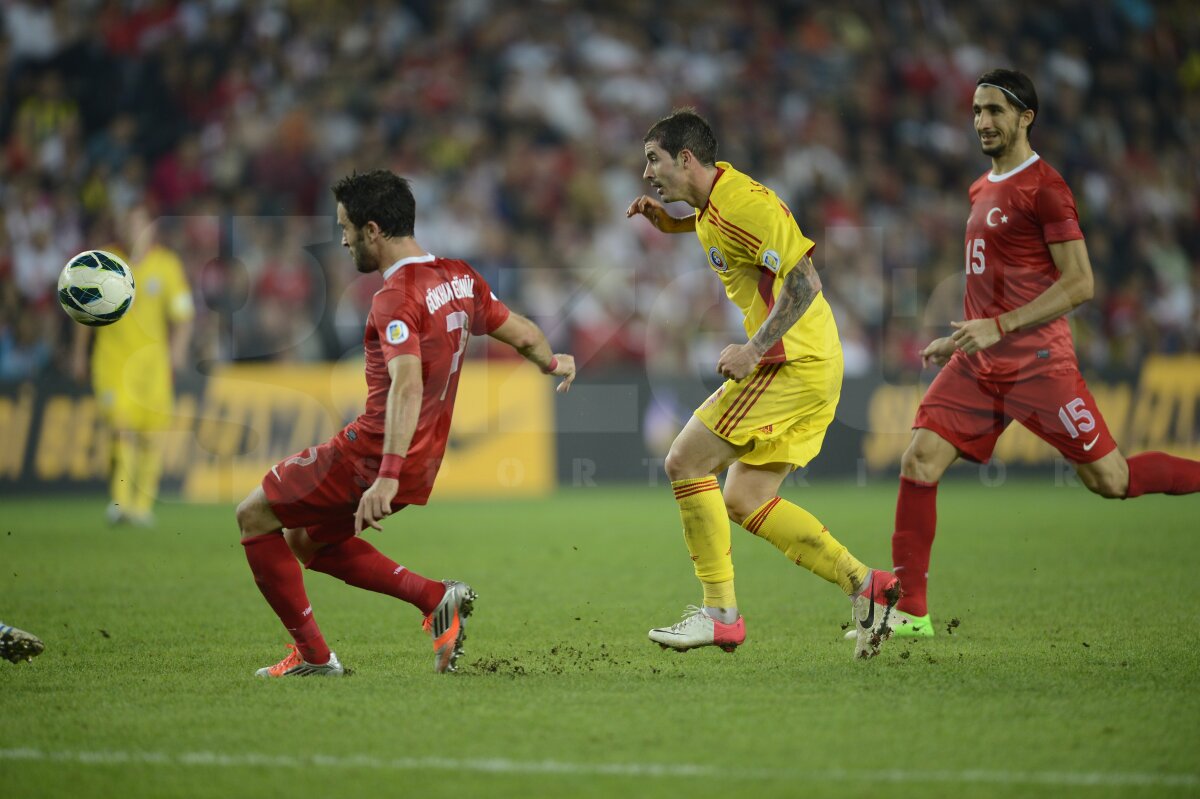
x,y
135,396
781,410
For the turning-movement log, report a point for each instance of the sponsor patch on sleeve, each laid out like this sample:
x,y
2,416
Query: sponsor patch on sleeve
x,y
770,260
397,332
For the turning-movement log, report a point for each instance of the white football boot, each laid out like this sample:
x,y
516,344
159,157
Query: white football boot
x,y
698,629
295,666
873,610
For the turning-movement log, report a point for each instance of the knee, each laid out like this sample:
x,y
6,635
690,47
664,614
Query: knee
x,y
249,518
919,463
244,517
678,466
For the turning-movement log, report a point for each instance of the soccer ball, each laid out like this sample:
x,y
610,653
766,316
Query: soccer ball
x,y
95,288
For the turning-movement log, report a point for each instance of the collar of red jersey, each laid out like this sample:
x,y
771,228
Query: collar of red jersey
x,y
1028,161
416,259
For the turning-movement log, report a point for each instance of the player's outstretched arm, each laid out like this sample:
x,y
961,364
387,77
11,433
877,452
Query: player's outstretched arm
x,y
400,423
528,339
801,285
653,210
1074,287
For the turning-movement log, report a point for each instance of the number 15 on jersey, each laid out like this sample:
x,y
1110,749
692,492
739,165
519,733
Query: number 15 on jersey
x,y
975,259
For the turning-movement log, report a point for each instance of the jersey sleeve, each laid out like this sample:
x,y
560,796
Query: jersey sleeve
x,y
397,321
781,245
1056,212
490,311
180,307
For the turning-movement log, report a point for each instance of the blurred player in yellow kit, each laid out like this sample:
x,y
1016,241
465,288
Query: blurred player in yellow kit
x,y
133,364
771,414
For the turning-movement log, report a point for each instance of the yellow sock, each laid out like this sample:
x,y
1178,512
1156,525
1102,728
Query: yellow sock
x,y
706,531
798,534
121,484
146,472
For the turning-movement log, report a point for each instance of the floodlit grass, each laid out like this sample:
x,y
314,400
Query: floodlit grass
x,y
1073,669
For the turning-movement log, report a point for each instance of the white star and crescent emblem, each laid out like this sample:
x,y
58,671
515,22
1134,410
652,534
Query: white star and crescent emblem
x,y
1003,217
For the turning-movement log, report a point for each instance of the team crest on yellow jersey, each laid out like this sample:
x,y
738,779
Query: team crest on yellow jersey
x,y
717,259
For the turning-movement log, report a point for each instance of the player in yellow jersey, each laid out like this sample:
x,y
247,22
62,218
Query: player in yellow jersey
x,y
133,363
782,388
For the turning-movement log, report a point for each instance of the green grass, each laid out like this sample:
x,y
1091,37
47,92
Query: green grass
x,y
1073,670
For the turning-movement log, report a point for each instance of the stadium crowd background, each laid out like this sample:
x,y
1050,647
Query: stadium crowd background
x,y
521,126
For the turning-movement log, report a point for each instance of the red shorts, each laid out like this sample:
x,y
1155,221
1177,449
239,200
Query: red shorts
x,y
319,488
971,413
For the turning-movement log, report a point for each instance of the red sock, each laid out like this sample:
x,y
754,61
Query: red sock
x,y
361,565
1160,473
916,523
282,583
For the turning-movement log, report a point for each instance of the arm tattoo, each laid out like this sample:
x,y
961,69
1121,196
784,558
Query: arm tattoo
x,y
800,288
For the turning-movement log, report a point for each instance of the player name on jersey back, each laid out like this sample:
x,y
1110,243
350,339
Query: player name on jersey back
x,y
458,288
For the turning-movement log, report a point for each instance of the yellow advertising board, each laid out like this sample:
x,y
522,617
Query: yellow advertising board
x,y
501,440
245,418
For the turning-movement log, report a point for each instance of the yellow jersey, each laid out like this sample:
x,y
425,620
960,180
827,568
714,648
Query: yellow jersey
x,y
162,297
752,242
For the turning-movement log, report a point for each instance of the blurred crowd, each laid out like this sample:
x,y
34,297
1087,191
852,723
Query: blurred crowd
x,y
521,125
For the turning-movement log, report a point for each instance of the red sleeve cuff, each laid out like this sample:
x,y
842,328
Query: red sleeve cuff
x,y
502,319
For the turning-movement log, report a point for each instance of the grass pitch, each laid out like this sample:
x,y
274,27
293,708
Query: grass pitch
x,y
1072,671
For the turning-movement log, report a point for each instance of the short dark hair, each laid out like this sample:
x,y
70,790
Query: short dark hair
x,y
378,196
684,129
1016,87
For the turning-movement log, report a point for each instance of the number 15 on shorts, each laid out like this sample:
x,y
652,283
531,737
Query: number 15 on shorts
x,y
1076,418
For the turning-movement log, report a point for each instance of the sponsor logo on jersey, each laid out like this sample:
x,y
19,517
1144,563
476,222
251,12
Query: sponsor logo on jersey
x,y
397,332
716,259
770,260
458,288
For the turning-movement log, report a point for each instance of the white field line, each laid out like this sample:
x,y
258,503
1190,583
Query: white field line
x,y
501,765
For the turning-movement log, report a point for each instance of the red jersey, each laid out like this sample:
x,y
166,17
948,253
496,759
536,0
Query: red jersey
x,y
1014,217
428,307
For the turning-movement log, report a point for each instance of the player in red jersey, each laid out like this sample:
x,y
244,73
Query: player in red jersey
x,y
312,506
1013,356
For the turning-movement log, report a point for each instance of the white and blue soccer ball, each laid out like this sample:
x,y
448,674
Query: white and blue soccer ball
x,y
96,288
